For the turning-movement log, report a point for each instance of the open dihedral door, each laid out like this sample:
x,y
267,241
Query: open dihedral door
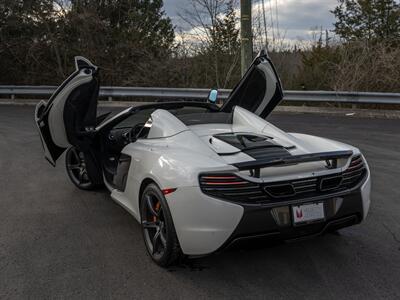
x,y
68,118
260,89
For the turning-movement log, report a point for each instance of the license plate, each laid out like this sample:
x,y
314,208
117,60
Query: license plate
x,y
308,213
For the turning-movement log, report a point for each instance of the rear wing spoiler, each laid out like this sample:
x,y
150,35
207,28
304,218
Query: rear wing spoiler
x,y
256,165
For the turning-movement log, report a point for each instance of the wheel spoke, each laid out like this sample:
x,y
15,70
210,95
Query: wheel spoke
x,y
74,166
163,239
150,206
85,176
80,178
159,211
156,240
150,225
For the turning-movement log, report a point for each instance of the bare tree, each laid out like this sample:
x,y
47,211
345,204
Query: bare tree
x,y
366,69
212,28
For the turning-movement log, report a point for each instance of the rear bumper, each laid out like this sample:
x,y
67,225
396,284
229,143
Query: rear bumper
x,y
297,234
205,225
276,223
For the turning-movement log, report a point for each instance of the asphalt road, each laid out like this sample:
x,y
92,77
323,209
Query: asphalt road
x,y
59,242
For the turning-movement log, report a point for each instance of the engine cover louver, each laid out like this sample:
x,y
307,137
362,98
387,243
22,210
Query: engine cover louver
x,y
270,152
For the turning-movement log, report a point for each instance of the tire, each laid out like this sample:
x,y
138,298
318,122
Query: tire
x,y
158,228
76,169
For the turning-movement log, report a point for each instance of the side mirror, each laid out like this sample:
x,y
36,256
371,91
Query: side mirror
x,y
213,96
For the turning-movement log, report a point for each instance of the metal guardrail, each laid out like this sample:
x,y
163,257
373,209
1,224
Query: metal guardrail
x,y
189,93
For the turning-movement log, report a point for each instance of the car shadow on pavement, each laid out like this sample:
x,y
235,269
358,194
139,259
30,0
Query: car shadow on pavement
x,y
246,250
314,267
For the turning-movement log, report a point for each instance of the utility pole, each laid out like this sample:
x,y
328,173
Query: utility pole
x,y
265,25
246,35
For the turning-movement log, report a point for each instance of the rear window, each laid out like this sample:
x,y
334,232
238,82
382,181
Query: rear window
x,y
206,117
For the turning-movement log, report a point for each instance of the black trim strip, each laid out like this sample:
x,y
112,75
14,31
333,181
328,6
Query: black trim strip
x,y
257,164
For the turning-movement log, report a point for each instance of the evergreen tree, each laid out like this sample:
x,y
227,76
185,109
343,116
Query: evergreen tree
x,y
370,20
28,40
141,21
39,38
226,35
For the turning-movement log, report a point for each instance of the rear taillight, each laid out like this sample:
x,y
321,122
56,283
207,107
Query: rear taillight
x,y
207,180
230,187
354,173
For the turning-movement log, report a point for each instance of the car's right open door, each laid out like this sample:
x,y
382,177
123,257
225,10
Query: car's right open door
x,y
260,89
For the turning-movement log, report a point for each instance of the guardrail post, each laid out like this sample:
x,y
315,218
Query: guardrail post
x,y
13,97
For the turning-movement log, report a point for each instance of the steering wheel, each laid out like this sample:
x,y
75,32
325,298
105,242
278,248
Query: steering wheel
x,y
131,134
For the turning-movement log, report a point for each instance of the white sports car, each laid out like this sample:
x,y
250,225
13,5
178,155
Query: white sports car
x,y
199,177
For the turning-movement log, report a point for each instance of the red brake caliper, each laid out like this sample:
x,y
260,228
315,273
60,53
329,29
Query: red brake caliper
x,y
157,208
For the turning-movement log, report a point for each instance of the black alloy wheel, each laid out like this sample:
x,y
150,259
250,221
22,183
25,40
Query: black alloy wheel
x,y
158,229
76,169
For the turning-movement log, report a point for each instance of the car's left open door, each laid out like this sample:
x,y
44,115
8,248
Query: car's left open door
x,y
259,90
68,118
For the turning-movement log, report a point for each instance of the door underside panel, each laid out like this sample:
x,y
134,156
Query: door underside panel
x,y
259,91
68,118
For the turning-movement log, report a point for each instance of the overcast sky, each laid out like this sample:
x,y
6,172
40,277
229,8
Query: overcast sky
x,y
296,17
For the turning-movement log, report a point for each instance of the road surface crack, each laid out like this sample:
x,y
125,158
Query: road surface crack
x,y
395,238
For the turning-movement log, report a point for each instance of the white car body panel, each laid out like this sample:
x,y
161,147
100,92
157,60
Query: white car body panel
x,y
202,223
176,158
165,124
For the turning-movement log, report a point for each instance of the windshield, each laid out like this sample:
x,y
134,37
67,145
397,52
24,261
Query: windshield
x,y
132,120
